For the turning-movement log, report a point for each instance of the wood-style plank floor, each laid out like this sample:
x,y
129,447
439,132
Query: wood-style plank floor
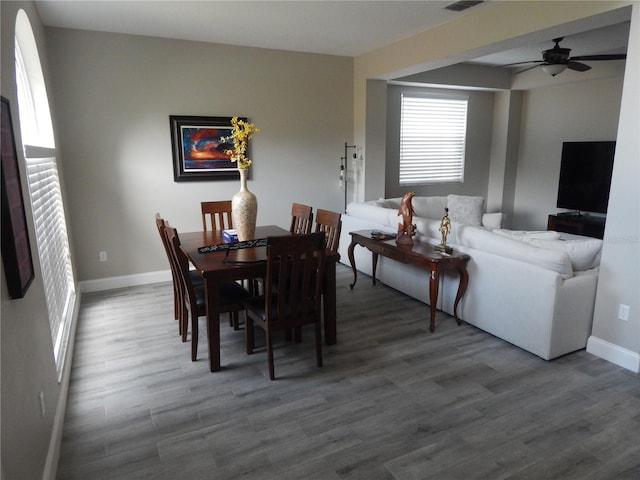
x,y
391,402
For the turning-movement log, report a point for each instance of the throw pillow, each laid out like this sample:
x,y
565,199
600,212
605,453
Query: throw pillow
x,y
465,209
429,207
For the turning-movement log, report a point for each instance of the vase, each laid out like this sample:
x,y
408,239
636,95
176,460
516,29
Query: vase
x,y
244,210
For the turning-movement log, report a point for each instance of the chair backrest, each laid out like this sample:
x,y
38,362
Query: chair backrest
x,y
182,264
301,218
162,225
330,223
219,214
295,269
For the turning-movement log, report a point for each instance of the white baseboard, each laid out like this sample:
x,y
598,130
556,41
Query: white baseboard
x,y
614,353
124,281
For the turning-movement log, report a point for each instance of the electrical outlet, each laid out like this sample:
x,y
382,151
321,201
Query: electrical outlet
x,y
623,312
43,409
103,256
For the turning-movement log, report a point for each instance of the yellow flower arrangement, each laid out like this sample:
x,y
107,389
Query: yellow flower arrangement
x,y
241,133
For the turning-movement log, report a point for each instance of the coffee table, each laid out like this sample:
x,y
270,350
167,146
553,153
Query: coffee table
x,y
419,254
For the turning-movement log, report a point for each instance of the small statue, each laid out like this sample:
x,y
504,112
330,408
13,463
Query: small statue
x,y
406,229
445,230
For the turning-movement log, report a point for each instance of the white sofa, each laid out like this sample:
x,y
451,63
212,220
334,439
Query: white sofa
x,y
535,290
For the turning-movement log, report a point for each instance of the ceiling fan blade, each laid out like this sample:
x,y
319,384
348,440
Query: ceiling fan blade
x,y
526,69
521,63
617,56
577,66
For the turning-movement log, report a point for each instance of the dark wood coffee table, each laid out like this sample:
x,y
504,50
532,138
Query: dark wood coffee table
x,y
419,254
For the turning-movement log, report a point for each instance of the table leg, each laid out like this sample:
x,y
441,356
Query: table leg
x,y
434,282
352,260
374,266
462,287
329,303
213,322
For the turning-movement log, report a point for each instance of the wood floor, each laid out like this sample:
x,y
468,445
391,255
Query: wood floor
x,y
391,402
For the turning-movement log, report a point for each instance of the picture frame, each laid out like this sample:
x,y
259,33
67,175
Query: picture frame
x,y
16,248
198,152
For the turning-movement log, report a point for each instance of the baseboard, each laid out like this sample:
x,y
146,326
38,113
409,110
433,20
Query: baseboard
x,y
124,281
614,353
55,442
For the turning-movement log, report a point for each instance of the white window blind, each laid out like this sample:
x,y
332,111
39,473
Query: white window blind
x,y
53,248
44,189
432,139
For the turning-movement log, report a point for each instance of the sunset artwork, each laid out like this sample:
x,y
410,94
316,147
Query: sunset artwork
x,y
203,148
199,150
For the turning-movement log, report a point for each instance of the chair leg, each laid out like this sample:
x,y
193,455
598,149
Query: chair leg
x,y
248,327
194,337
319,344
184,320
272,373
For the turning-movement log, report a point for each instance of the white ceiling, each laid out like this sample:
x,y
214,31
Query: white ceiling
x,y
347,27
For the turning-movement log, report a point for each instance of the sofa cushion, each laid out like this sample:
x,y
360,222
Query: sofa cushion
x,y
524,234
429,207
481,239
583,253
368,211
465,209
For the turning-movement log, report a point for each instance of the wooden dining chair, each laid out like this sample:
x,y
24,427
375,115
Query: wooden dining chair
x,y
301,218
218,213
296,261
330,223
177,295
231,295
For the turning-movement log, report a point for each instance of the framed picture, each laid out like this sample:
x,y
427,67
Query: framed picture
x,y
16,249
198,151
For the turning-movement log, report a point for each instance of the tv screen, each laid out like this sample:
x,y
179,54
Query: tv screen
x,y
585,176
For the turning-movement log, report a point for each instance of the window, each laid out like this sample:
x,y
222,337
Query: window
x,y
44,189
432,139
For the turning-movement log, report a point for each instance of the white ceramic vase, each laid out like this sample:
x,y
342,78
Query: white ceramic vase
x,y
244,210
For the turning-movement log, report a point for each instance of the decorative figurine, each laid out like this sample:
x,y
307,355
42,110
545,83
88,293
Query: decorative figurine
x,y
406,229
445,230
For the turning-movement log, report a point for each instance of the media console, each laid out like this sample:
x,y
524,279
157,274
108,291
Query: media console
x,y
589,226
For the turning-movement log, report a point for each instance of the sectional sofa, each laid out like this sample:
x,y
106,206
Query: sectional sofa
x,y
535,290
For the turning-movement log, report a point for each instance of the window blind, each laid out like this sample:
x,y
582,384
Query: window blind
x,y
432,139
44,190
53,248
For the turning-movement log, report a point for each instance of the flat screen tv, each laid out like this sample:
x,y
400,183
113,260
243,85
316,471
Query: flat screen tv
x,y
585,176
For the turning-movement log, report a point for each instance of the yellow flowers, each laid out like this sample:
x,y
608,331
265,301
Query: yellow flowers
x,y
241,133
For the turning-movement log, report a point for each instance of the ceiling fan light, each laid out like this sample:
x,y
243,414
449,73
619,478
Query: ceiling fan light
x,y
554,68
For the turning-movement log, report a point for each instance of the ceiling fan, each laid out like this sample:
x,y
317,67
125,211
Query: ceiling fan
x,y
555,60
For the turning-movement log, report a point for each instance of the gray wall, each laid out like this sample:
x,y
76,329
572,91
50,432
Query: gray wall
x,y
477,151
585,111
26,352
113,96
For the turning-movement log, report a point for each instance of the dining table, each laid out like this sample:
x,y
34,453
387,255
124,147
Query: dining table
x,y
219,260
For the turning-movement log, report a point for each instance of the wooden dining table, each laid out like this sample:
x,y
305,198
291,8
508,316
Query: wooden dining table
x,y
246,263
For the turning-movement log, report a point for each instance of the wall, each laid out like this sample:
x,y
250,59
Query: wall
x,y
586,111
614,339
26,361
477,149
114,94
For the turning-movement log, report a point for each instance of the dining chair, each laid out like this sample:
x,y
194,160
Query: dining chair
x,y
231,295
177,296
301,218
296,261
330,223
218,213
